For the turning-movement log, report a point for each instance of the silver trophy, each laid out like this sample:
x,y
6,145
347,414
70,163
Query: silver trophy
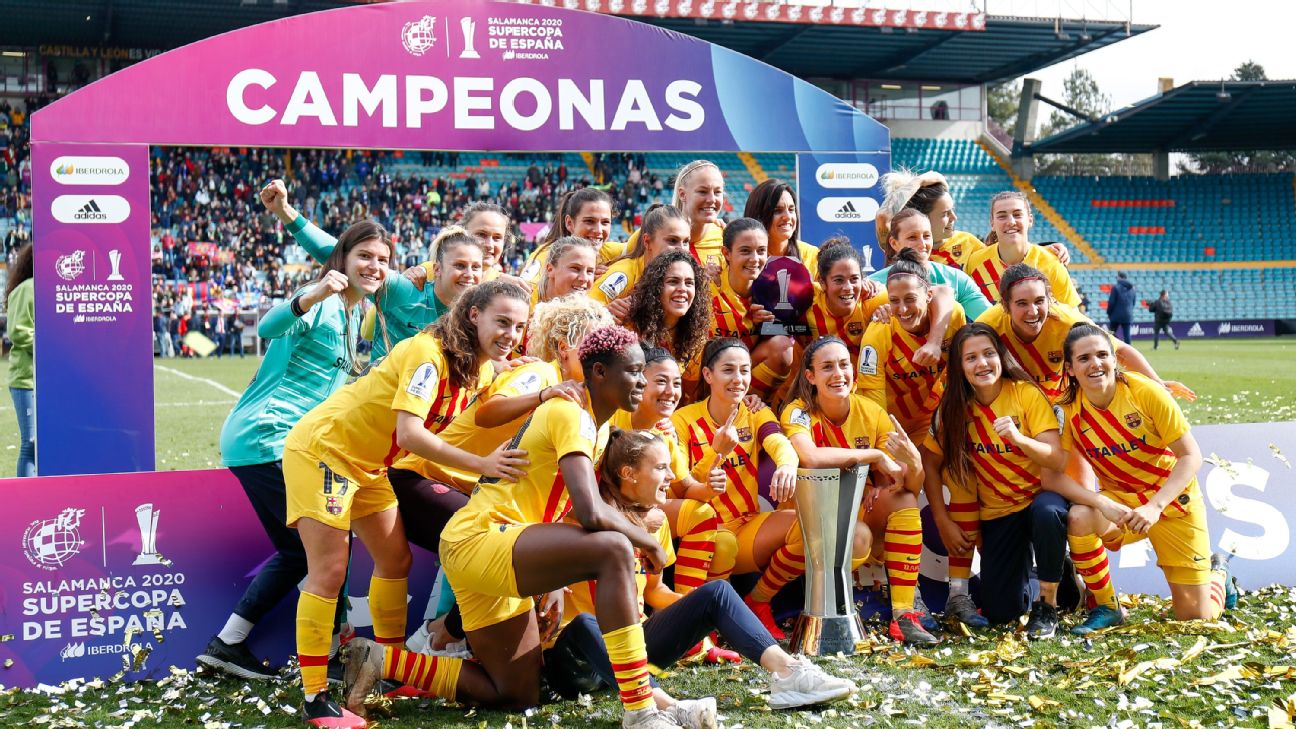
x,y
114,258
147,517
469,28
828,503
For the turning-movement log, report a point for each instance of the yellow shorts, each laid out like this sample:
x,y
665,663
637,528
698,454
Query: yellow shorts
x,y
326,488
1181,543
480,569
746,529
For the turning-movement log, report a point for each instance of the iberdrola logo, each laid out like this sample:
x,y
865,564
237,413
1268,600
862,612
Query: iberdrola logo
x,y
66,169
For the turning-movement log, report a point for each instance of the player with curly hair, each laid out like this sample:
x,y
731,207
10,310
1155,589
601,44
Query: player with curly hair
x,y
666,311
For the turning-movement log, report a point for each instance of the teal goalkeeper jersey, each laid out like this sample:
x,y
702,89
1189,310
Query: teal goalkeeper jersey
x,y
965,289
405,310
308,359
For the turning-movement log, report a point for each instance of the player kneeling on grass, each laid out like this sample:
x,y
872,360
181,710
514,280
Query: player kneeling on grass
x,y
831,426
636,476
507,544
994,435
1133,433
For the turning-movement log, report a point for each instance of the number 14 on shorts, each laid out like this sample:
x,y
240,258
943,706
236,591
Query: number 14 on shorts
x,y
332,502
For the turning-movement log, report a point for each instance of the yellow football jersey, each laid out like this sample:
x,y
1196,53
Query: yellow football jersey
x,y
1128,442
358,422
957,249
887,374
619,280
1042,358
556,429
866,425
986,267
464,433
756,433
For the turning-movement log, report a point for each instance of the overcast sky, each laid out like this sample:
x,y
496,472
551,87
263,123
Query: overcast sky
x,y
1198,40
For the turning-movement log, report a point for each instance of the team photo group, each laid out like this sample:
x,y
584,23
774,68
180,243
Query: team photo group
x,y
594,444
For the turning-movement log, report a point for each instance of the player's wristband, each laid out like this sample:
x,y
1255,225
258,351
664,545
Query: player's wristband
x,y
295,305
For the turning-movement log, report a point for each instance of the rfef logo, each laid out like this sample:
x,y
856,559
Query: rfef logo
x,y
847,209
90,209
89,170
419,36
860,175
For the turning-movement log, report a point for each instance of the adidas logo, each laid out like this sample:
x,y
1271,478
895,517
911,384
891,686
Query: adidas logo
x,y
1196,330
848,211
90,211
849,207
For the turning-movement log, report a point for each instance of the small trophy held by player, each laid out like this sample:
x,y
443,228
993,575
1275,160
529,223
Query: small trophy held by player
x,y
784,288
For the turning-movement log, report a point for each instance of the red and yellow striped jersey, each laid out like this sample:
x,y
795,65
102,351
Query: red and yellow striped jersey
x,y
731,312
756,432
1042,358
464,433
358,422
556,429
887,375
957,249
849,328
1007,480
986,267
581,599
866,425
1128,442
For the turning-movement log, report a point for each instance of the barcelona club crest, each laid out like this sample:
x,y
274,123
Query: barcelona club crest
x,y
333,505
1133,419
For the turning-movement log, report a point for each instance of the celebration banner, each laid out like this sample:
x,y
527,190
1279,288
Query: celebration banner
x,y
94,308
839,194
130,574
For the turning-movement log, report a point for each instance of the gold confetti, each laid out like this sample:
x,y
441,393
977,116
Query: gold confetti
x,y
1273,448
1039,703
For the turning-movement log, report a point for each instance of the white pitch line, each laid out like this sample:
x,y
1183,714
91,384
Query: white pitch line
x,y
187,376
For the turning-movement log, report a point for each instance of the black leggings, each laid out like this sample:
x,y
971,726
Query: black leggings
x,y
425,506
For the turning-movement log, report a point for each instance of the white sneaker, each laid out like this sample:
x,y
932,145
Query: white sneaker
x,y
649,718
421,642
418,643
807,684
694,713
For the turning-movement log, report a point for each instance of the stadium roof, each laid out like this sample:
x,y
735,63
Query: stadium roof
x,y
1006,48
1202,116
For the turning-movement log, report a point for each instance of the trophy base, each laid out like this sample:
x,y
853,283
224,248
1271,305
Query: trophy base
x,y
819,635
779,329
470,54
148,558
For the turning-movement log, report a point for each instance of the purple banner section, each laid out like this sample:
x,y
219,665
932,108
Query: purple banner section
x,y
132,573
94,353
839,194
1195,329
464,76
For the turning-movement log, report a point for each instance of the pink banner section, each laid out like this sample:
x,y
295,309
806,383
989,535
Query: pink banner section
x,y
772,12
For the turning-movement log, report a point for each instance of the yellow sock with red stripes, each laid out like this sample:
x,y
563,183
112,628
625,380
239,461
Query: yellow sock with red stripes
x,y
786,565
1090,559
764,380
387,598
629,657
314,634
437,675
902,551
966,515
696,526
1217,593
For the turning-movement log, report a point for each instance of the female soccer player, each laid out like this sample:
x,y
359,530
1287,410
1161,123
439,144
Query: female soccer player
x,y
994,434
746,249
506,544
664,228
911,230
722,430
569,269
490,224
585,213
1033,327
335,458
429,493
841,305
706,552
699,193
1133,433
1010,216
831,426
773,203
888,374
634,478
665,311
313,339
404,309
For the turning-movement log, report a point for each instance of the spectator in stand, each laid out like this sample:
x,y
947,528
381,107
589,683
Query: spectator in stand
x,y
1162,312
21,308
1120,307
162,334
